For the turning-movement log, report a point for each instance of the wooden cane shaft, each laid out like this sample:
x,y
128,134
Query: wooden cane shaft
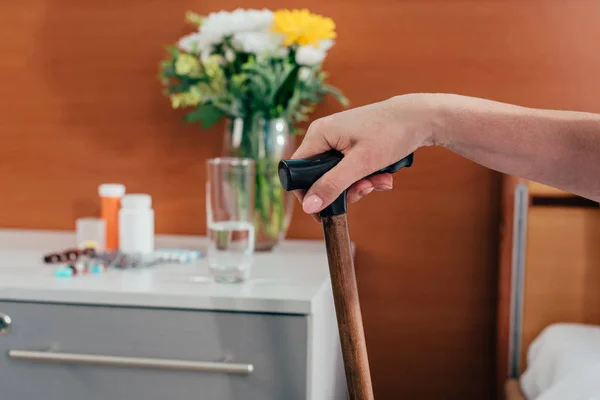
x,y
347,307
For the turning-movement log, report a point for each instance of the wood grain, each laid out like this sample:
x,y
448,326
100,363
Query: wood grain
x,y
80,105
512,390
562,270
347,307
540,190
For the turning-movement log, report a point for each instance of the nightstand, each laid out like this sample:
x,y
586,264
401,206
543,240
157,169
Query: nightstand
x,y
161,333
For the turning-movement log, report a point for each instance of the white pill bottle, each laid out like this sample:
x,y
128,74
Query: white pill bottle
x,y
136,224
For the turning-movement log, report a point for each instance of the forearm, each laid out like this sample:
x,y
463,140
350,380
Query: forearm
x,y
557,148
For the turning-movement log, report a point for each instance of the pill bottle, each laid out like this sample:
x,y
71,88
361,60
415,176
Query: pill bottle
x,y
110,203
136,225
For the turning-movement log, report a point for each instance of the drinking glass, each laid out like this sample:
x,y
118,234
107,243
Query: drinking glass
x,y
90,231
230,189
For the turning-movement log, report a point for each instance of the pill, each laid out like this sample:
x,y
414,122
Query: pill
x,y
97,269
64,272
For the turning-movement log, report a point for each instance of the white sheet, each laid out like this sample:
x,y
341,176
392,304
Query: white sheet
x,y
564,364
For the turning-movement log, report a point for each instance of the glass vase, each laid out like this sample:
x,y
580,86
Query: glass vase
x,y
266,141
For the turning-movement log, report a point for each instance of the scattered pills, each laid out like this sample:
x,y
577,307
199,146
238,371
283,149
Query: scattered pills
x,y
64,272
178,255
80,267
91,262
97,269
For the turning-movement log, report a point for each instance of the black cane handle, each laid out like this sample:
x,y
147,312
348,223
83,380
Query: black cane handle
x,y
302,173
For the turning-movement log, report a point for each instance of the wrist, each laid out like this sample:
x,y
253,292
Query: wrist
x,y
443,116
426,118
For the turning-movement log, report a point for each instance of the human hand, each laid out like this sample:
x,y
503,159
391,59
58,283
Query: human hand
x,y
371,138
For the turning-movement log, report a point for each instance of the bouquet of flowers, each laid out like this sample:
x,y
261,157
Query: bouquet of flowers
x,y
249,66
250,62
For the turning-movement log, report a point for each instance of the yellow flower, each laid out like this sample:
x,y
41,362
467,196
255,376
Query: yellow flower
x,y
193,18
191,98
302,28
204,90
198,93
187,64
212,68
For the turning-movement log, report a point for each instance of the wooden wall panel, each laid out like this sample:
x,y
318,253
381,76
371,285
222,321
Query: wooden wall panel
x,y
80,104
562,274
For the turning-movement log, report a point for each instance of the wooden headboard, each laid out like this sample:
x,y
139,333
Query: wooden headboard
x,y
549,267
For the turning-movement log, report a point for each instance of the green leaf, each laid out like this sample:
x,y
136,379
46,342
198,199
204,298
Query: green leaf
x,y
167,69
286,89
174,51
259,91
205,113
298,131
259,71
327,89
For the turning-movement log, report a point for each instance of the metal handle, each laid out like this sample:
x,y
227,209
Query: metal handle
x,y
5,323
115,361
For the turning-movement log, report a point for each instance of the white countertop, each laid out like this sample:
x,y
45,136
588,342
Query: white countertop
x,y
291,279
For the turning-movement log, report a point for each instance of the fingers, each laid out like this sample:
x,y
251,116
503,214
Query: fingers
x,y
347,174
382,182
360,189
314,142
299,194
357,191
326,189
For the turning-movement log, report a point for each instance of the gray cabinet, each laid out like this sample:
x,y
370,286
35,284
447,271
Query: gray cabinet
x,y
153,334
273,345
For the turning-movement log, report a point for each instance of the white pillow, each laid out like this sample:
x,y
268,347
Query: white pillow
x,y
563,362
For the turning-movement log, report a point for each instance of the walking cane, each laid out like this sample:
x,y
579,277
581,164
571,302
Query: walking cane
x,y
300,175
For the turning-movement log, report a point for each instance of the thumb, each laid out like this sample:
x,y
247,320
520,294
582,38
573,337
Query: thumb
x,y
314,142
326,189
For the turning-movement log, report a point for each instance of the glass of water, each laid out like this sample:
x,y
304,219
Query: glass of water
x,y
230,218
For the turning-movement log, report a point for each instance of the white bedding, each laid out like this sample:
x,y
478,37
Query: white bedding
x,y
564,364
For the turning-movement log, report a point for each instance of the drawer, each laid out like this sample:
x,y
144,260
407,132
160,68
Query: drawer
x,y
275,346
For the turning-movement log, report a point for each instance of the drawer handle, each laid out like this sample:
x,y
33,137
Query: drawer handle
x,y
115,361
5,323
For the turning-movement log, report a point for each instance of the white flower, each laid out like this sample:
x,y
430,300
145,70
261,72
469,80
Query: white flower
x,y
229,55
312,55
198,42
304,73
282,52
326,44
217,25
225,23
257,42
206,54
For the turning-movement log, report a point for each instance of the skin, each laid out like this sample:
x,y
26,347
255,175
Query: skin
x,y
556,148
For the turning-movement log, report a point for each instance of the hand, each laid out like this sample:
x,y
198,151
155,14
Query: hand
x,y
370,137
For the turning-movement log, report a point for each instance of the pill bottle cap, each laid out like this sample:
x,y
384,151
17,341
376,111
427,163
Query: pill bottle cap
x,y
111,190
136,201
